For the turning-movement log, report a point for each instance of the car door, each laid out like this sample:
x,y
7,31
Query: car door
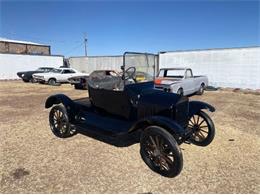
x,y
67,73
188,84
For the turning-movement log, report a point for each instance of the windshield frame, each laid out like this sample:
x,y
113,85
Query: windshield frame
x,y
136,53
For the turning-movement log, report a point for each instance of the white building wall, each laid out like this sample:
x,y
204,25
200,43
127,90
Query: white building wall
x,y
10,64
236,68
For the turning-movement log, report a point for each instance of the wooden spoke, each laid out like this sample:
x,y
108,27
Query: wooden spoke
x,y
152,140
203,126
167,159
157,141
201,122
194,121
198,118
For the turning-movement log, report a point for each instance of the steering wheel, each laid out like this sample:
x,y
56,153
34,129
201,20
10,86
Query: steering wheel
x,y
129,73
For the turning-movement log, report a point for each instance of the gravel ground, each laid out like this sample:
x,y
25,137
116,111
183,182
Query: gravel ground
x,y
33,160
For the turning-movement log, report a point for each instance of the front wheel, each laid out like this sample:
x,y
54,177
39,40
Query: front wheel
x,y
180,92
160,151
59,122
25,80
203,129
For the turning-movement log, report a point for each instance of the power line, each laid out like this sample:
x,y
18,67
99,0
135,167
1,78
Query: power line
x,y
75,47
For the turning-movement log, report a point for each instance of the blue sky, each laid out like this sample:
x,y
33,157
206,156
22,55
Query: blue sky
x,y
113,27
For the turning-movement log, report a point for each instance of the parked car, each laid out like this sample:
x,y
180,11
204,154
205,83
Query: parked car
x,y
181,81
120,105
79,82
26,76
57,75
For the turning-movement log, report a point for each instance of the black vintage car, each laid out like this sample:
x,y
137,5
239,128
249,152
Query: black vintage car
x,y
121,105
26,76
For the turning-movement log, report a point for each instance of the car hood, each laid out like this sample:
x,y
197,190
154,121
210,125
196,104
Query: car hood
x,y
146,93
42,73
153,102
159,97
27,72
166,81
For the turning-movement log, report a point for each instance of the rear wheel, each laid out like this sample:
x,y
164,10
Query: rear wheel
x,y
59,122
78,86
203,129
160,151
52,81
201,89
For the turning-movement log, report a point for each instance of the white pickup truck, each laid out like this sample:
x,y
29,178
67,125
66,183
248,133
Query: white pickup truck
x,y
59,75
181,81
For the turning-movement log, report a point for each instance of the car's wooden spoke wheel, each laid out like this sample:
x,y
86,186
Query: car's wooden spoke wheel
x,y
59,121
160,151
202,127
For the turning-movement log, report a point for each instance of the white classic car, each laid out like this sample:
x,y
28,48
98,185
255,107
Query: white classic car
x,y
57,75
181,81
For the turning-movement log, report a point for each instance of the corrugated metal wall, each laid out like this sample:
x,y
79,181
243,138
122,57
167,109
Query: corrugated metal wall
x,y
10,64
237,68
91,63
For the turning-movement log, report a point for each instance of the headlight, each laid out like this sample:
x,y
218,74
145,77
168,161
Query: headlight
x,y
22,75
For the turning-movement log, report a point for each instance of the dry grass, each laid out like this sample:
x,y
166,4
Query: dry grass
x,y
33,160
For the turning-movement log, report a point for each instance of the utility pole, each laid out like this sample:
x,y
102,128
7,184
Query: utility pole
x,y
85,43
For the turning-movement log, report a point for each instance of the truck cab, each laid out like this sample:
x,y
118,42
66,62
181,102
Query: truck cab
x,y
181,81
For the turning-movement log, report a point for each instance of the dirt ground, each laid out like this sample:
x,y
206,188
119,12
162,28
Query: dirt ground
x,y
33,160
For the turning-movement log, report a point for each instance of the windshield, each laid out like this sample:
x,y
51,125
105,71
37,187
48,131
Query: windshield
x,y
173,73
56,70
139,66
39,69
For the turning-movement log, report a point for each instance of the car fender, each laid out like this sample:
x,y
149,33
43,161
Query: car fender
x,y
59,99
175,87
70,106
196,106
170,125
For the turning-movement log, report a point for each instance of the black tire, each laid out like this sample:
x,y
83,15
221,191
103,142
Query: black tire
x,y
59,122
160,151
32,80
180,92
52,81
26,80
78,86
203,129
201,89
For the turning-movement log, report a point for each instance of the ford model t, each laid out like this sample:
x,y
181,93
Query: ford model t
x,y
121,104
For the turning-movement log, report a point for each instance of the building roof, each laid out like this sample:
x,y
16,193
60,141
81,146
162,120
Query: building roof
x,y
21,42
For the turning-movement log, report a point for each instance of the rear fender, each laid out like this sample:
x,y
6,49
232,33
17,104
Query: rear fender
x,y
170,125
197,106
62,99
57,99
